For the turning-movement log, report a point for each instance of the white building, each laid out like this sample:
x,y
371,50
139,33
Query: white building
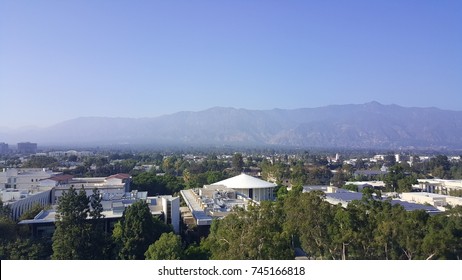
x,y
22,188
69,153
23,178
169,207
22,201
344,198
254,188
367,184
217,200
166,207
113,186
437,200
439,186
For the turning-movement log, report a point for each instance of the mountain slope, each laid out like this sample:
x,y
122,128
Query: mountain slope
x,y
370,125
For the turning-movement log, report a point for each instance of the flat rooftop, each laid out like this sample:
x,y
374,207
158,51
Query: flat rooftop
x,y
346,197
208,203
195,207
112,209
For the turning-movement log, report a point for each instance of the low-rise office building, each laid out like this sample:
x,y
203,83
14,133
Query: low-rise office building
x,y
24,178
164,207
437,200
22,188
113,186
211,202
438,186
376,185
344,198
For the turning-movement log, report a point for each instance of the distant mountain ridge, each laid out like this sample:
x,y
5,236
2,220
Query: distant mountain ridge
x,y
369,125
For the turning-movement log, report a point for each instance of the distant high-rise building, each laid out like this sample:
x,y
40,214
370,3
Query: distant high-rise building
x,y
27,148
4,148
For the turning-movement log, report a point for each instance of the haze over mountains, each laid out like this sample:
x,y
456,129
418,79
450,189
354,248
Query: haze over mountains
x,y
370,125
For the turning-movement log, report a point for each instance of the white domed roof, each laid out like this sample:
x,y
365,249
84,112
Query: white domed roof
x,y
245,181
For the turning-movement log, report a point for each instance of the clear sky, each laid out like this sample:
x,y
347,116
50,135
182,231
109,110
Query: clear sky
x,y
64,59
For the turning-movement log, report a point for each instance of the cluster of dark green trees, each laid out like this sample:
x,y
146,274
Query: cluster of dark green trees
x,y
15,241
75,237
367,229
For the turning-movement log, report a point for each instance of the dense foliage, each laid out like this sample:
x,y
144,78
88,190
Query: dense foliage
x,y
136,231
255,234
76,238
367,229
15,242
167,247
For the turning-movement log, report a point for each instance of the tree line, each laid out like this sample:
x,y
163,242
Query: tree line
x,y
366,229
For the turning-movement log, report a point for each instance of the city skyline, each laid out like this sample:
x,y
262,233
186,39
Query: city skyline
x,y
62,60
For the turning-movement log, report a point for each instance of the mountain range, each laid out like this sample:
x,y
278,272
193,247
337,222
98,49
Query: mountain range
x,y
369,125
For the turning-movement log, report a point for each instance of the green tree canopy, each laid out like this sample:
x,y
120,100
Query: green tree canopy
x,y
7,226
76,238
41,162
136,231
237,163
154,185
255,234
167,247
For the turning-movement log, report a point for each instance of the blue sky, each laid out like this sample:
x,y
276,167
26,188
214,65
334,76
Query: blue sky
x,y
64,59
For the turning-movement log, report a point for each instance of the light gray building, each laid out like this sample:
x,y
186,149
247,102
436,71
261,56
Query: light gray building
x,y
164,207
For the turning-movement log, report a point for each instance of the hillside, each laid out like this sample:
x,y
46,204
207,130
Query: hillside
x,y
370,125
